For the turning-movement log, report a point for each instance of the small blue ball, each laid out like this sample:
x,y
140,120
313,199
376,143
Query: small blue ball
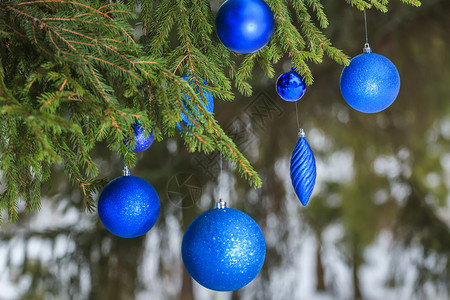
x,y
128,206
370,83
143,141
245,26
207,100
290,86
223,249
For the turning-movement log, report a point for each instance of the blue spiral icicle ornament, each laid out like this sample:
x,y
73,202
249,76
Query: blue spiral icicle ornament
x,y
303,169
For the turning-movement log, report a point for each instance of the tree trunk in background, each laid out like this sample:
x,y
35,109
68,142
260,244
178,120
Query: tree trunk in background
x,y
356,264
356,290
320,278
117,273
235,295
187,216
187,292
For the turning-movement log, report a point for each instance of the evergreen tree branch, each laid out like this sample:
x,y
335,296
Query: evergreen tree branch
x,y
71,75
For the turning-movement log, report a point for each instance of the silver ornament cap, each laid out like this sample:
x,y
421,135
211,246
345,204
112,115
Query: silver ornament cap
x,y
126,171
221,204
367,48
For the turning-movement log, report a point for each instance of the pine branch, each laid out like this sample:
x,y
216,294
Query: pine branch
x,y
71,75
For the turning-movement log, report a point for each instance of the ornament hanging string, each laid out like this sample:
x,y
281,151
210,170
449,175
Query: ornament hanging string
x,y
220,165
366,45
365,25
221,203
126,171
296,113
220,176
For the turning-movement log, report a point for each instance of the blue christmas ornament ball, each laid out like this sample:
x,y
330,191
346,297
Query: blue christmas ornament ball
x,y
143,140
223,249
245,26
290,86
206,98
128,206
370,83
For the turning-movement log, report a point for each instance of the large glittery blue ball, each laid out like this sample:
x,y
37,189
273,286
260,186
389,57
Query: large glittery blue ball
x,y
370,83
290,86
244,26
143,140
128,206
206,98
223,249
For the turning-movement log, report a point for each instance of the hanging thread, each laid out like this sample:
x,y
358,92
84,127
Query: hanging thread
x,y
220,164
366,45
365,25
126,171
221,203
296,113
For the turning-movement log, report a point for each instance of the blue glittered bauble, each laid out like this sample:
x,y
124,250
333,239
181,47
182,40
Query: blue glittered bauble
x,y
128,206
370,83
223,249
143,140
303,169
290,86
244,26
206,98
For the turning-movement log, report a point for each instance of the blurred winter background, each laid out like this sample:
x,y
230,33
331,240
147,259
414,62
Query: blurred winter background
x,y
377,226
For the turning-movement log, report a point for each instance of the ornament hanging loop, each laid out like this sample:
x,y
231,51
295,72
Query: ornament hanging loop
x,y
221,204
126,171
367,48
301,133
